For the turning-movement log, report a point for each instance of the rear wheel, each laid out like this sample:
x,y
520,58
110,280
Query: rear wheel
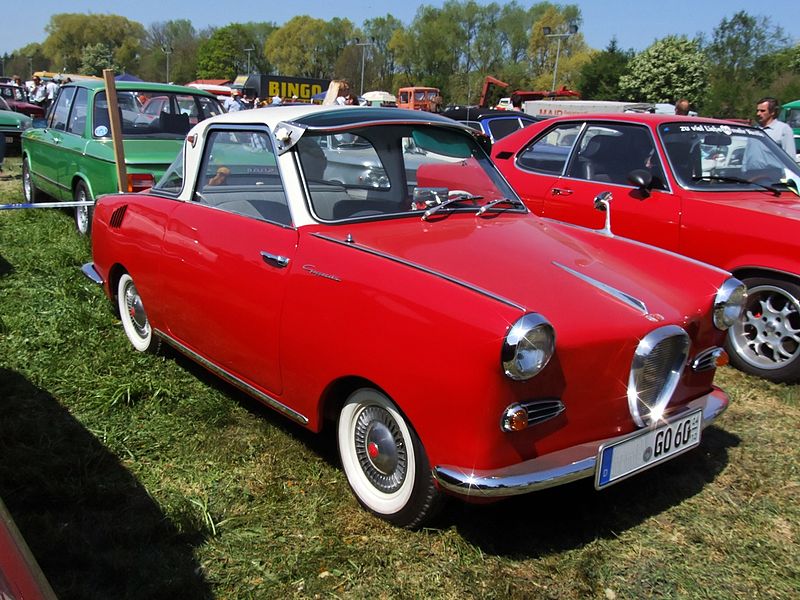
x,y
134,318
766,340
384,461
28,187
83,214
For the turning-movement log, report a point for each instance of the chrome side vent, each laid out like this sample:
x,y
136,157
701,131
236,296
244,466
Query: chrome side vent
x,y
117,216
542,410
707,360
655,371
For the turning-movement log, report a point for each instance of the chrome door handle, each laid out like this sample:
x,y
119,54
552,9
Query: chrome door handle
x,y
560,192
275,260
56,140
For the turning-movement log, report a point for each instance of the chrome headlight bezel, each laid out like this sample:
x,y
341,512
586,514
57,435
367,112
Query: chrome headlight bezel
x,y
528,347
652,384
729,303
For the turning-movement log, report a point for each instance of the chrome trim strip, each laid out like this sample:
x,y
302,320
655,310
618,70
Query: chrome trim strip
x,y
631,301
413,265
90,272
556,468
233,380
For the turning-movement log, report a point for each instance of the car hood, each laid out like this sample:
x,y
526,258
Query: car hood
x,y
787,205
543,266
14,119
137,152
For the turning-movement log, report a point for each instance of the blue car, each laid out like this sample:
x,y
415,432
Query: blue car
x,y
494,123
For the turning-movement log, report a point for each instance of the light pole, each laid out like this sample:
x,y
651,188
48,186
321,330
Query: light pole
x,y
548,33
363,45
167,49
248,50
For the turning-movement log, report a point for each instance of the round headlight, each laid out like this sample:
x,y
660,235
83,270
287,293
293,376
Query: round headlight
x,y
528,347
375,177
729,303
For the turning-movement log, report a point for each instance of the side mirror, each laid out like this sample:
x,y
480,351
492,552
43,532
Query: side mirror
x,y
642,179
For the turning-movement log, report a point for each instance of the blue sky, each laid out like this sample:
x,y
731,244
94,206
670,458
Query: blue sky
x,y
635,24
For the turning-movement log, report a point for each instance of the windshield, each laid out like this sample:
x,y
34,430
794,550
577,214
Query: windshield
x,y
398,170
709,156
154,114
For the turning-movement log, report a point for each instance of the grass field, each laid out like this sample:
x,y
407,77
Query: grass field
x,y
139,476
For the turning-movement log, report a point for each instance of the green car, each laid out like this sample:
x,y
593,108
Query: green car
x,y
12,124
790,114
72,157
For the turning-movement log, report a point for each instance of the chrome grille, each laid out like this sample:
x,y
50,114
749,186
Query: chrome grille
x,y
656,368
707,360
542,410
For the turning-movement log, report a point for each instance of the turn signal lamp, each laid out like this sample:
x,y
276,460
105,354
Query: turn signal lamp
x,y
138,182
515,418
722,358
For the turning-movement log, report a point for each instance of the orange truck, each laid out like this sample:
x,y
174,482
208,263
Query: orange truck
x,y
420,98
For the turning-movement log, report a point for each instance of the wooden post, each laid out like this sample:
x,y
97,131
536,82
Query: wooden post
x,y
116,129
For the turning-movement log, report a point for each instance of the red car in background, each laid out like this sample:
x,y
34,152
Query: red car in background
x,y
720,192
17,98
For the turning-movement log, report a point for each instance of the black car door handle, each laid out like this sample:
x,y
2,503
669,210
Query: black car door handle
x,y
275,260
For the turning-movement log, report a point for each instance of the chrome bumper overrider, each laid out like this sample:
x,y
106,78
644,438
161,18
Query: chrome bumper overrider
x,y
556,468
90,272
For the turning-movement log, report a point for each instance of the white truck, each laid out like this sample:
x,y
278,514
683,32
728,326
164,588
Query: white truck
x,y
557,108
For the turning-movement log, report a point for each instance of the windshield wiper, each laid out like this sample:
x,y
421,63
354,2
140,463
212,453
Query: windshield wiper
x,y
493,203
771,187
456,198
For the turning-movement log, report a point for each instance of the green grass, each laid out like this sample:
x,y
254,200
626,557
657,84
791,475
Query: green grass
x,y
139,476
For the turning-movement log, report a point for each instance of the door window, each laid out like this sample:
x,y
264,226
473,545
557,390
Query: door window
x,y
239,174
77,119
609,152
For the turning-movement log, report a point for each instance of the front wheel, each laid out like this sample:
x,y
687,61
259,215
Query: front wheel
x,y
134,318
384,461
83,214
766,340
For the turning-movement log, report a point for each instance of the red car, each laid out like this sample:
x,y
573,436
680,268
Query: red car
x,y
716,191
17,98
457,343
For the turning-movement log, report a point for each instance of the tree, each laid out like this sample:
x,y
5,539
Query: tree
x,y
572,52
181,40
382,64
599,78
95,58
69,34
671,68
747,55
223,55
296,48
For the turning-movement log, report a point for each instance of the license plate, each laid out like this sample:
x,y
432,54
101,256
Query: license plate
x,y
619,460
9,139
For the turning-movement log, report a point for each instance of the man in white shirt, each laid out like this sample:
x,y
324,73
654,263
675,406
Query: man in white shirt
x,y
767,116
233,103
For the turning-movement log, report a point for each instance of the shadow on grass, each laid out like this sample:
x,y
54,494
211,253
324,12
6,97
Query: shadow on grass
x,y
92,527
570,516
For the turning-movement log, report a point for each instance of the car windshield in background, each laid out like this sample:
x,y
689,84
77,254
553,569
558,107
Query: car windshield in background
x,y
709,156
398,169
4,105
154,114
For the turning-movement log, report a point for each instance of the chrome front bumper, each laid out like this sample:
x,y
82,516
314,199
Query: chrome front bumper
x,y
90,272
556,468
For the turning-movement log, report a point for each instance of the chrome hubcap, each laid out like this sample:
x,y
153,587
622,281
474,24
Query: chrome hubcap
x,y
768,335
82,213
135,310
380,449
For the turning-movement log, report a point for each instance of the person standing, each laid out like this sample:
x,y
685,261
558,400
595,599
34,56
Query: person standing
x,y
767,117
39,92
233,103
682,107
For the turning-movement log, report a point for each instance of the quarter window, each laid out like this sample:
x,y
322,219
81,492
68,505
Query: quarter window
x,y
549,153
